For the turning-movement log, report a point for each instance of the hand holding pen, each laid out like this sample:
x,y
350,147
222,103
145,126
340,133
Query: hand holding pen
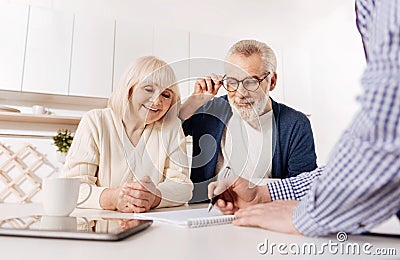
x,y
214,198
238,193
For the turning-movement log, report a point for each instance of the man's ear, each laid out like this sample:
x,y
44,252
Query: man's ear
x,y
274,79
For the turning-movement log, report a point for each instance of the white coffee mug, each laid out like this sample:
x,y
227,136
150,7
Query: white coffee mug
x,y
60,195
40,110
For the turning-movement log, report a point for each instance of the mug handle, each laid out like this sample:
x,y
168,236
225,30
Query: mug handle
x,y
86,223
90,193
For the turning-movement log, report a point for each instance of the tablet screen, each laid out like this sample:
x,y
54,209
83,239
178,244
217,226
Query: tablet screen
x,y
72,227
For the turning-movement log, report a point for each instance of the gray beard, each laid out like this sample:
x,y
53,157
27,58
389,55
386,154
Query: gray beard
x,y
252,113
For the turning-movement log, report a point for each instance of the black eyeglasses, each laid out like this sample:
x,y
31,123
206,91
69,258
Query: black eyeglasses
x,y
250,83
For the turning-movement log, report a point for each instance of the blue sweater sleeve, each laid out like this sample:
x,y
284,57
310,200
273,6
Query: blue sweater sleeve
x,y
187,126
302,157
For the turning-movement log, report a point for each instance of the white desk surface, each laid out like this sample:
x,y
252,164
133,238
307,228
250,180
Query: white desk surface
x,y
164,241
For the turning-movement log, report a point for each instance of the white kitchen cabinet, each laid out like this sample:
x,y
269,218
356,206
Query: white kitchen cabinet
x,y
207,54
13,27
209,50
92,57
132,40
172,45
48,51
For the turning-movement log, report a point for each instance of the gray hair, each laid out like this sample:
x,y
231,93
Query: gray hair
x,y
250,47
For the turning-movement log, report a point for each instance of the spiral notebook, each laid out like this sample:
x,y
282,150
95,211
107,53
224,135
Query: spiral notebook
x,y
191,218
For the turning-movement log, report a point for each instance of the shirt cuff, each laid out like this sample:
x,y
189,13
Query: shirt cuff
x,y
281,190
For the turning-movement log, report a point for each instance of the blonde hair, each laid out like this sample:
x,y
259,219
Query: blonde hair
x,y
149,69
250,47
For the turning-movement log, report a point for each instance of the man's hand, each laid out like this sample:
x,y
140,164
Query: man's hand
x,y
208,86
275,216
204,90
237,193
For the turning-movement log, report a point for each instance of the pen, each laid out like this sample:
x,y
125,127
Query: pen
x,y
212,202
216,197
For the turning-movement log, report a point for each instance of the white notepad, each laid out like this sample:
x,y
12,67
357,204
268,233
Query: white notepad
x,y
191,218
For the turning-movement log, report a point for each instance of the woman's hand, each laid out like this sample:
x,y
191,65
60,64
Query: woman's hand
x,y
135,197
126,224
138,196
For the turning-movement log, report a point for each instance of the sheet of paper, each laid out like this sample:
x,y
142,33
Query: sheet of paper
x,y
180,217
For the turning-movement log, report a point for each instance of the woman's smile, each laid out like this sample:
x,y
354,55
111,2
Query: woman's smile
x,y
150,108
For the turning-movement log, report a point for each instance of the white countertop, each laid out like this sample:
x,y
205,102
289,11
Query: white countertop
x,y
164,241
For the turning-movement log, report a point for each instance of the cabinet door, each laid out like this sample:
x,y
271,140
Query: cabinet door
x,y
172,46
13,26
207,55
132,40
92,57
48,51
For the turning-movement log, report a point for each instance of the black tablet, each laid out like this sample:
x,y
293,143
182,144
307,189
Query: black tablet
x,y
72,227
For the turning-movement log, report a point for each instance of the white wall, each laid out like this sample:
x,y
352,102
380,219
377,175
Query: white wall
x,y
322,32
337,62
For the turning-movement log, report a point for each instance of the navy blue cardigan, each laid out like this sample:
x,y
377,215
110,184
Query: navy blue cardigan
x,y
293,138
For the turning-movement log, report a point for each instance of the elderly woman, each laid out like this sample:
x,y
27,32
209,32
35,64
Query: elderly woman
x,y
133,152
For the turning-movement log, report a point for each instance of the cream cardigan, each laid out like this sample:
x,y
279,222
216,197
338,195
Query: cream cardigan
x,y
97,155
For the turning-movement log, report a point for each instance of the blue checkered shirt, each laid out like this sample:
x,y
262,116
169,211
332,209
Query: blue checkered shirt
x,y
360,185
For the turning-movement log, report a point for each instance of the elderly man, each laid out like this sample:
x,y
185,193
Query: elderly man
x,y
245,131
359,187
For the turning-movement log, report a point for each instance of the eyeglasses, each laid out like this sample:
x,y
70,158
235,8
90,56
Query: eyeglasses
x,y
250,83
